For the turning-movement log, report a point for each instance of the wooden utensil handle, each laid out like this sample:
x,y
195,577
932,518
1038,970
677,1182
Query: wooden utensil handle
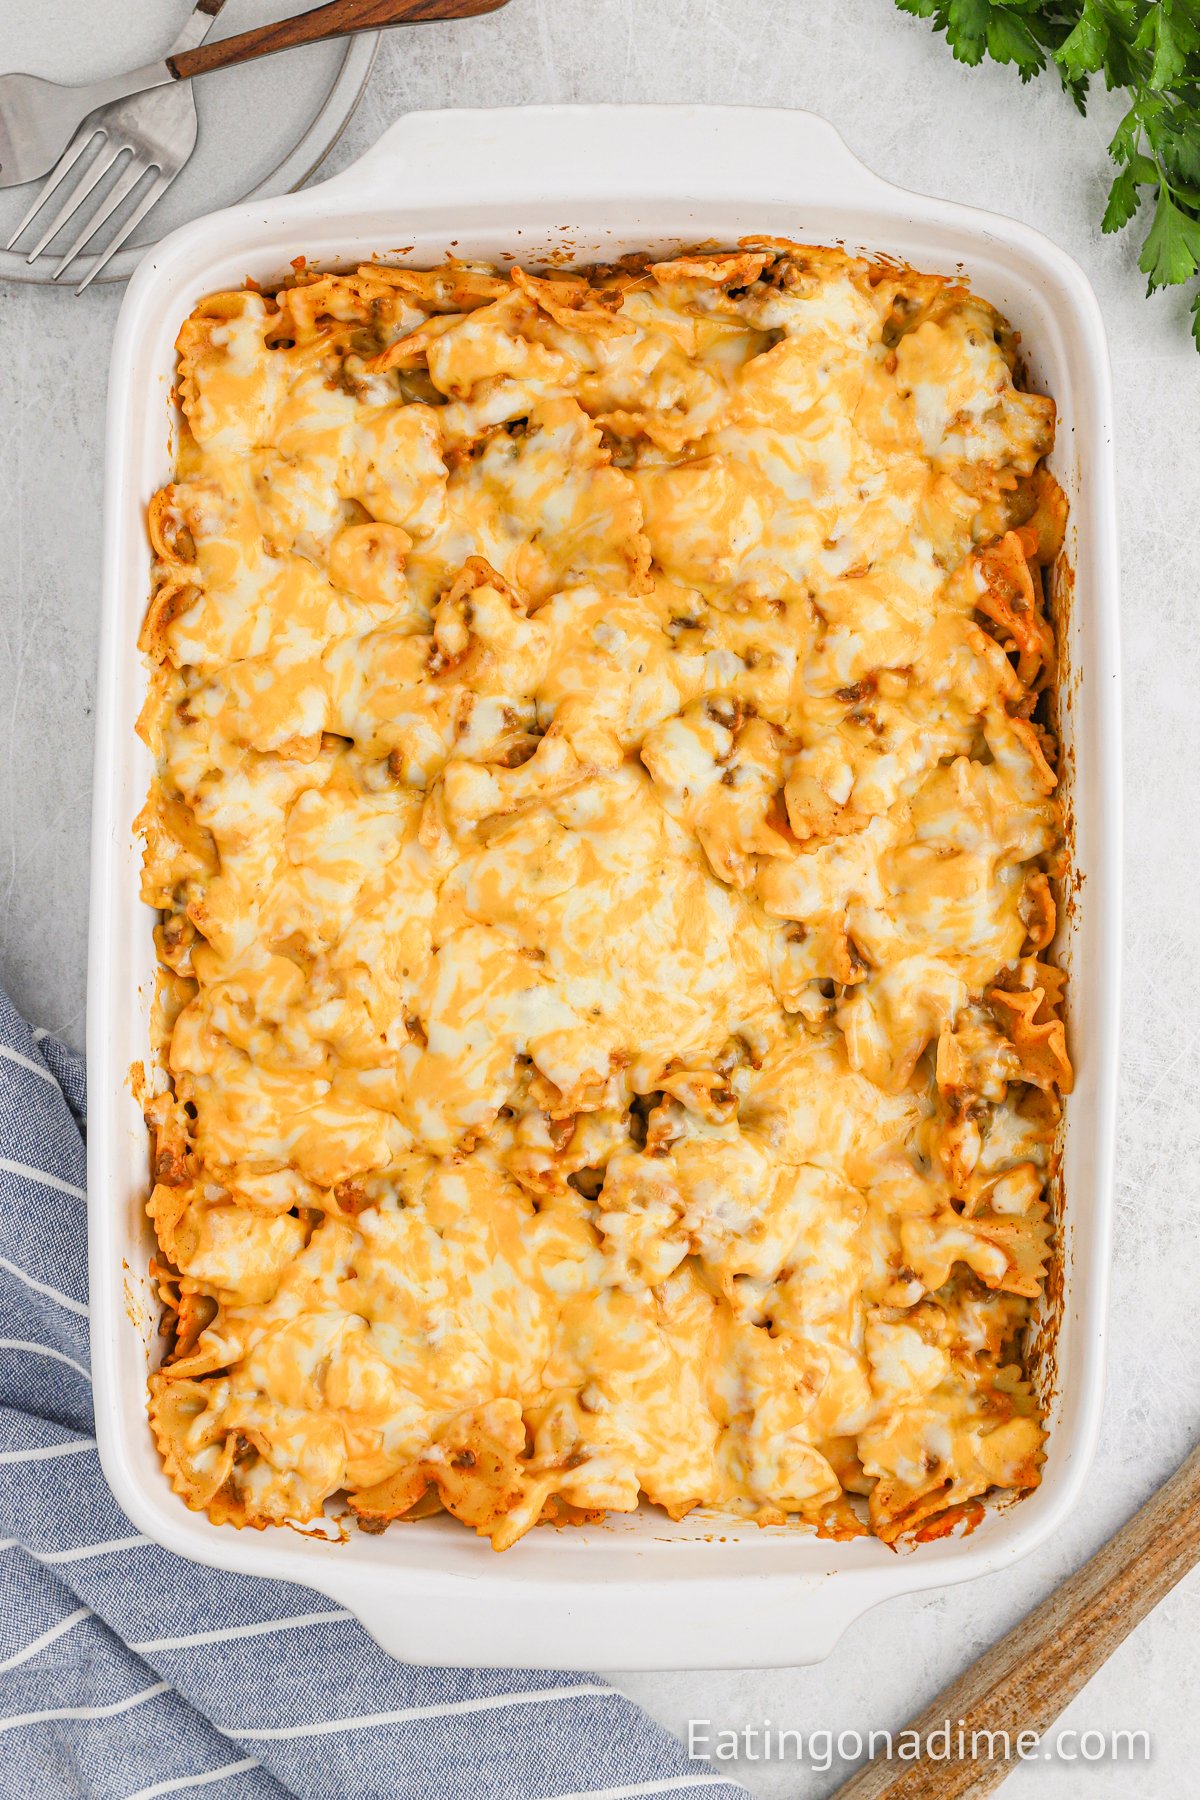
x,y
338,19
1023,1683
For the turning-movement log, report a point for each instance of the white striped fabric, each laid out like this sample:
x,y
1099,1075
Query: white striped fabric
x,y
126,1673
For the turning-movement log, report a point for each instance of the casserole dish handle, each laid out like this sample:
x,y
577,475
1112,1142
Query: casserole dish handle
x,y
719,1634
684,149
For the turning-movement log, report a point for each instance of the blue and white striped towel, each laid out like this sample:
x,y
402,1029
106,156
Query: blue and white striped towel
x,y
127,1673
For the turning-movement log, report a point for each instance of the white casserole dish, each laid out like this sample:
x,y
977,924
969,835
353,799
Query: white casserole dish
x,y
638,1592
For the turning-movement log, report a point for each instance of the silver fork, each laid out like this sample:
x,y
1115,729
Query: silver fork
x,y
156,128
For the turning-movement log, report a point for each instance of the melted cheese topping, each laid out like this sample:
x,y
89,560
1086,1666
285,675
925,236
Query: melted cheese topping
x,y
602,834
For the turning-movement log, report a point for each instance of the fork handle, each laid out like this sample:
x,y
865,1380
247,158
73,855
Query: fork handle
x,y
338,19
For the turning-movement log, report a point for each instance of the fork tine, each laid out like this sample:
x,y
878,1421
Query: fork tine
x,y
150,198
95,172
61,169
129,177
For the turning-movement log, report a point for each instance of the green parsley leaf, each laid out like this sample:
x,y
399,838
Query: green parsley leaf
x,y
1157,35
1178,144
1123,61
1125,197
1125,137
1171,253
1123,201
1084,51
967,29
1196,320
1009,40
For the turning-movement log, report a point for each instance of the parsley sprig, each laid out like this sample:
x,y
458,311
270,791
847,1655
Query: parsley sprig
x,y
1149,48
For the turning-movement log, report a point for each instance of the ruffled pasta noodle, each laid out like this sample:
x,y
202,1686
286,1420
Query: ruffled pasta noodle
x,y
604,838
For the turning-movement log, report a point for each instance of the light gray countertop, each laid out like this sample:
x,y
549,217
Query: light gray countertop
x,y
978,136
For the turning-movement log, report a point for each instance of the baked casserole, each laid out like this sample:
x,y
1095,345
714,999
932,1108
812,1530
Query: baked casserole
x,y
605,835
